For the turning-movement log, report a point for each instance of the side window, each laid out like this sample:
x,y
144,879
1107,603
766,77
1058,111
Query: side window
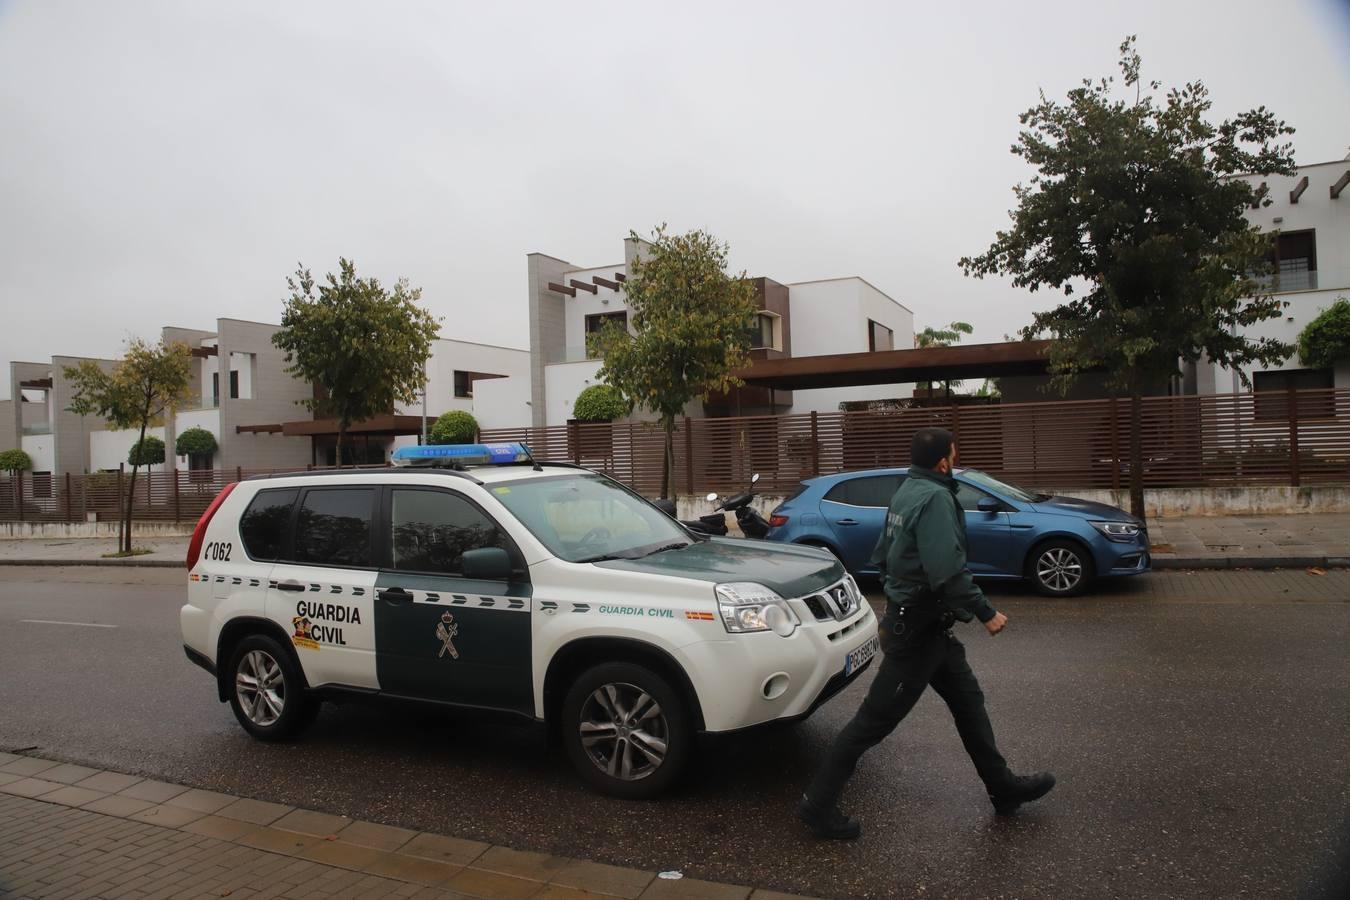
x,y
873,490
333,527
969,497
432,529
263,525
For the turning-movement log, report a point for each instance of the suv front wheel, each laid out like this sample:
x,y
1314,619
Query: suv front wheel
x,y
267,692
627,731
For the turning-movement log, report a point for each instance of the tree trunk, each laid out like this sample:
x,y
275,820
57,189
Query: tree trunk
x,y
1136,449
342,434
125,541
668,464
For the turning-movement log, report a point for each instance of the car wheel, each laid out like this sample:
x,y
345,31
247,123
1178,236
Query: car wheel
x,y
1060,568
267,691
627,731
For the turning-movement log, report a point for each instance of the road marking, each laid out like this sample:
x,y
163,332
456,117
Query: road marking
x,y
54,622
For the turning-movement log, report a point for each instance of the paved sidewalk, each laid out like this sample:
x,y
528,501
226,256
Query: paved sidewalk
x,y
74,832
1195,542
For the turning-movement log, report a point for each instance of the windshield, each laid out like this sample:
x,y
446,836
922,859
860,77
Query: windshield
x,y
985,480
587,518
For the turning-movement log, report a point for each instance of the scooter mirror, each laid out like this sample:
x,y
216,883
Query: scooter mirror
x,y
711,497
754,478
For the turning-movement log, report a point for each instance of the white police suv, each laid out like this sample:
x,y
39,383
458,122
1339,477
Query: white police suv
x,y
473,576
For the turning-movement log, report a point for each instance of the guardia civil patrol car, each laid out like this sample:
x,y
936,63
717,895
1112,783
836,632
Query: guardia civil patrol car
x,y
475,576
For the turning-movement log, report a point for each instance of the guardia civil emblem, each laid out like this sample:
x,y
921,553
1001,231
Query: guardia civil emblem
x,y
447,630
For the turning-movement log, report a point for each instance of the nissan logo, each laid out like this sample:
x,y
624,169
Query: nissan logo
x,y
843,600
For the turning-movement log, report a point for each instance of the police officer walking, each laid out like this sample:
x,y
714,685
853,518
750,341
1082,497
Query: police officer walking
x,y
922,557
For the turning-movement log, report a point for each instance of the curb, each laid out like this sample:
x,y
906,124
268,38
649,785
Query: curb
x,y
1251,562
112,563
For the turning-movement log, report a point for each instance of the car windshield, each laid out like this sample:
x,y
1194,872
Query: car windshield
x,y
588,518
985,480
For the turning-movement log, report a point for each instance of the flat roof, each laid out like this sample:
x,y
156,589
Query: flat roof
x,y
804,373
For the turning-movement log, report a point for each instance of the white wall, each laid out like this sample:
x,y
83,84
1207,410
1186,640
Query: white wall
x,y
563,383
831,317
586,304
502,402
41,448
109,449
448,356
208,419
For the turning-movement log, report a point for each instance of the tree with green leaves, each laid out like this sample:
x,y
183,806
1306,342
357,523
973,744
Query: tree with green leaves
x,y
149,382
453,427
1325,340
15,461
693,322
365,345
195,441
148,451
942,337
600,403
1135,215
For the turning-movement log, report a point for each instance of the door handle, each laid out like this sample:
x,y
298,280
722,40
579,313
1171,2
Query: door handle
x,y
290,586
394,595
846,522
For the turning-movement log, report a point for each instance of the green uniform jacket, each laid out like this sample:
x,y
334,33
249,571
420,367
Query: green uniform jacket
x,y
922,550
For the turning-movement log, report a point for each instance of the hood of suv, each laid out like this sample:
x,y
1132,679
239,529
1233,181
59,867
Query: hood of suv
x,y
791,570
1085,509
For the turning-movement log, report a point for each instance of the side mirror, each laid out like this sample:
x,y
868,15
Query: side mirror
x,y
988,505
754,479
711,497
487,564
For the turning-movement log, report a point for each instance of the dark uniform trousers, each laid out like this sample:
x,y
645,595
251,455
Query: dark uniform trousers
x,y
929,655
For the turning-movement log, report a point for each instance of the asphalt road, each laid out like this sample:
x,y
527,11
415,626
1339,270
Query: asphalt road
x,y
1199,725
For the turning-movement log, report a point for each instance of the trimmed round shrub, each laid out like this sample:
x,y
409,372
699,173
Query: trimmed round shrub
x,y
15,461
600,403
454,427
195,442
1326,339
148,452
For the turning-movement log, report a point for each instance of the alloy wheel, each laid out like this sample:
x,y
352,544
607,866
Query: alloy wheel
x,y
1059,569
261,688
624,732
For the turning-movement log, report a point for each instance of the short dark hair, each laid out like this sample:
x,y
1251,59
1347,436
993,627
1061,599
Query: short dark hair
x,y
929,447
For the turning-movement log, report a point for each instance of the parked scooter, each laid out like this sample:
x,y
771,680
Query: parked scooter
x,y
714,524
753,525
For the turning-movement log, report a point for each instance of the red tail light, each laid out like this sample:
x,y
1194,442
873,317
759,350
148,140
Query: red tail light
x,y
777,521
199,534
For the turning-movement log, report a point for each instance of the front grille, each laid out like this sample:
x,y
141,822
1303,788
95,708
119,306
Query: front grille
x,y
817,607
836,602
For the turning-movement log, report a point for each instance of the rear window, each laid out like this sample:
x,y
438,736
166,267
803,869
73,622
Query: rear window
x,y
333,527
263,525
869,490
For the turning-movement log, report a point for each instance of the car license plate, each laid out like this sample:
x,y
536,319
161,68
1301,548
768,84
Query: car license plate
x,y
860,657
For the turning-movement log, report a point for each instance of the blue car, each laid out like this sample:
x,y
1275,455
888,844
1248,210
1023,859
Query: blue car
x,y
1059,543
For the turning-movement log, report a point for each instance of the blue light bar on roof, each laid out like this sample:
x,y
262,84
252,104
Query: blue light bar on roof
x,y
461,454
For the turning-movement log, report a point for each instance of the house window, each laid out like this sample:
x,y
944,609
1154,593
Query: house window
x,y
234,384
464,382
879,337
1294,258
1272,393
764,335
595,323
215,389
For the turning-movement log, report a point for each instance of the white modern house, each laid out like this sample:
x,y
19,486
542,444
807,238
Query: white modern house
x,y
811,318
1311,253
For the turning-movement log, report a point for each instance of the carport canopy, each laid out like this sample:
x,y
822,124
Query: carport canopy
x,y
804,373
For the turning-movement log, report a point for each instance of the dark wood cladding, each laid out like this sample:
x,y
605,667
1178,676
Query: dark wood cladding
x,y
583,286
36,384
562,289
605,282
204,352
899,366
1298,189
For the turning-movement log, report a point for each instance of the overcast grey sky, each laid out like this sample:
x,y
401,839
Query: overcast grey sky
x,y
170,162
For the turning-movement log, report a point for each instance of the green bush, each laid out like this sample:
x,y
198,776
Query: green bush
x,y
454,427
1326,339
195,442
600,403
15,461
147,452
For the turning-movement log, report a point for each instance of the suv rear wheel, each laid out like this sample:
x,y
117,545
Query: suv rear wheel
x,y
627,731
267,692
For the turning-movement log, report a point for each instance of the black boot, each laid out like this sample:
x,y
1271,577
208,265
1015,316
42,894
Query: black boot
x,y
832,824
1021,789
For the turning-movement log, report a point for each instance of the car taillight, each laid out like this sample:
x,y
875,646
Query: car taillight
x,y
199,534
777,521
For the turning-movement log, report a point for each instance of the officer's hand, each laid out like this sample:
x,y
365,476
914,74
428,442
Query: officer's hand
x,y
997,623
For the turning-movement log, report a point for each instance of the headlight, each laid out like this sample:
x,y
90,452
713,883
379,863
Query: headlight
x,y
1117,531
746,606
